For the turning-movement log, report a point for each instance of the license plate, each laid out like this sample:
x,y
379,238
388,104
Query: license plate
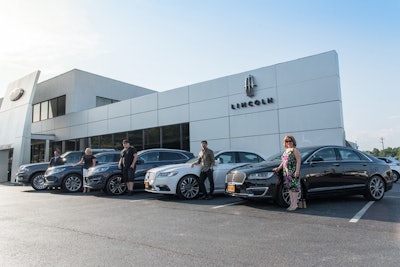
x,y
146,184
231,188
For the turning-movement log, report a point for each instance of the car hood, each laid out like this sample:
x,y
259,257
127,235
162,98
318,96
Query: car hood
x,y
60,166
172,167
35,164
253,167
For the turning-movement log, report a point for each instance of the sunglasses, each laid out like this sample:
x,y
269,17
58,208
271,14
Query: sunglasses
x,y
288,141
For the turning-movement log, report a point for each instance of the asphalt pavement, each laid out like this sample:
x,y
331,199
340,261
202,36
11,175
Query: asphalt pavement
x,y
52,228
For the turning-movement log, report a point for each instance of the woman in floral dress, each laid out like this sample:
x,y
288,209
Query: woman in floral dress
x,y
290,166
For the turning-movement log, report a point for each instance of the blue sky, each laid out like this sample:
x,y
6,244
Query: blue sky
x,y
165,44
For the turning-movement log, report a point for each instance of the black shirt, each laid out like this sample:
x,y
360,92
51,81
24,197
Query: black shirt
x,y
127,156
88,161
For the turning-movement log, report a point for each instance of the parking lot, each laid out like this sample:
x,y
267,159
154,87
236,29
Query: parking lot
x,y
51,228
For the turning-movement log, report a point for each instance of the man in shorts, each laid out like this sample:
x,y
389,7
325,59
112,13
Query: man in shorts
x,y
127,163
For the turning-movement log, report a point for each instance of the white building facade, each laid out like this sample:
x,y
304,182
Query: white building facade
x,y
252,110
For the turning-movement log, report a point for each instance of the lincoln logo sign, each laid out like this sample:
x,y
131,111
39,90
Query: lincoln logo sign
x,y
254,103
249,86
16,94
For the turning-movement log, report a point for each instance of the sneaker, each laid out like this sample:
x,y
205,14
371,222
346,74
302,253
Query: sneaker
x,y
130,193
203,197
209,197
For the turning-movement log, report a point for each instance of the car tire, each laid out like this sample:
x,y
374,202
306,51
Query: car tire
x,y
188,187
72,183
115,185
37,181
375,188
283,197
396,176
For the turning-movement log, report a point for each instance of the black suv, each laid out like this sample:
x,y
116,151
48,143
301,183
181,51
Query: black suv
x,y
33,173
109,178
69,177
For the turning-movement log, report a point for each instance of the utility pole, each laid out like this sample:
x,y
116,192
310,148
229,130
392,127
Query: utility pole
x,y
383,147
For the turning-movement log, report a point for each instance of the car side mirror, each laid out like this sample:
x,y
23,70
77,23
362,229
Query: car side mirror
x,y
317,159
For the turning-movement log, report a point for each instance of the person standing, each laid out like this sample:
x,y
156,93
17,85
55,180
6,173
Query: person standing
x,y
56,160
88,161
290,166
207,161
127,163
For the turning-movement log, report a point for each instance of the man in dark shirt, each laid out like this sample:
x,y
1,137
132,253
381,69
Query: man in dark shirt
x,y
56,160
127,163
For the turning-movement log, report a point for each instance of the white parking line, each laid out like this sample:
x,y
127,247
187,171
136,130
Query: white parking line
x,y
227,205
359,214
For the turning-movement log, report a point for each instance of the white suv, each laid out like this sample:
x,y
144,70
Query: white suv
x,y
394,164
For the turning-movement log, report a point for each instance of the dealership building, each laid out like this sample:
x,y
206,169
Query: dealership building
x,y
252,110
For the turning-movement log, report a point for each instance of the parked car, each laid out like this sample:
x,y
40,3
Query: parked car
x,y
69,177
394,164
109,178
33,173
325,170
183,180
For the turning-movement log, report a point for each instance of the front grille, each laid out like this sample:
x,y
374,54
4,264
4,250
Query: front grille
x,y
235,177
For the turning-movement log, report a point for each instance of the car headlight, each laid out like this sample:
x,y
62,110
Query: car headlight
x,y
57,170
23,169
99,169
261,175
167,174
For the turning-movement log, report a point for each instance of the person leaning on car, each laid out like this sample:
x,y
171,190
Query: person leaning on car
x,y
88,161
207,161
127,163
56,160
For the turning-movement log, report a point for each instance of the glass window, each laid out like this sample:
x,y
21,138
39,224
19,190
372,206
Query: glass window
x,y
150,157
36,113
112,157
171,156
71,145
48,109
94,141
185,137
136,139
249,157
118,137
61,105
151,138
171,136
326,154
347,154
44,110
102,101
106,141
53,108
227,157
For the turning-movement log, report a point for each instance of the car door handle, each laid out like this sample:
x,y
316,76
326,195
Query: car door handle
x,y
336,164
